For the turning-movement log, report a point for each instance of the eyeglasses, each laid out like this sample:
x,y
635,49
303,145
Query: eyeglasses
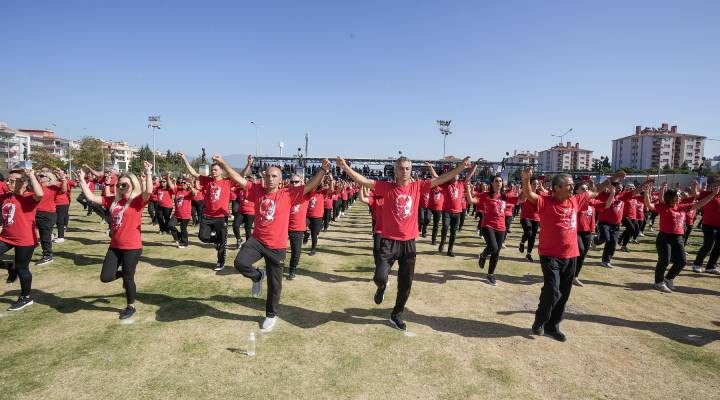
x,y
41,176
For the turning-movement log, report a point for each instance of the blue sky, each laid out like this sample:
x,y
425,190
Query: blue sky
x,y
364,78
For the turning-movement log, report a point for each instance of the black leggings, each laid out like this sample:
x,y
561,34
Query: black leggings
x,y
62,218
688,232
21,266
127,260
494,240
196,211
437,218
327,216
209,225
668,246
450,220
180,236
508,222
163,217
530,229
152,210
315,225
584,239
244,220
711,244
45,223
631,229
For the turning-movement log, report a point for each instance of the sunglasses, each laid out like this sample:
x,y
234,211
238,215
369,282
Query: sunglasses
x,y
123,186
41,176
294,182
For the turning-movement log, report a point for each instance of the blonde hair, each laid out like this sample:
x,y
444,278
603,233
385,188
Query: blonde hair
x,y
136,189
52,179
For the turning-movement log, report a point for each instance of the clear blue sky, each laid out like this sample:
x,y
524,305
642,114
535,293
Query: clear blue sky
x,y
365,78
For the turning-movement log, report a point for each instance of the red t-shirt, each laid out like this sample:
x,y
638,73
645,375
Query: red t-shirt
x,y
125,223
376,204
639,208
298,214
272,213
690,216
247,207
586,216
47,204
328,200
154,194
18,213
400,215
672,219
199,196
344,194
453,193
558,225
494,209
63,199
315,207
613,215
217,196
4,188
164,197
630,208
529,211
437,199
183,204
512,199
711,210
425,200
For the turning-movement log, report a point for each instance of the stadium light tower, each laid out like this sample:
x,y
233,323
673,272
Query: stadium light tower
x,y
444,127
154,123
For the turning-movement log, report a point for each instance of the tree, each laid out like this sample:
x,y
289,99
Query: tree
x,y
145,154
42,158
89,152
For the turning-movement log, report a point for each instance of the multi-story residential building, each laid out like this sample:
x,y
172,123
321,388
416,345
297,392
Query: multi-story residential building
x,y
565,158
47,139
651,148
523,157
122,152
13,146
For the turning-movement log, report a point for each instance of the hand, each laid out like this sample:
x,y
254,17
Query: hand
x,y
340,162
148,166
218,159
81,174
618,176
466,162
29,172
527,174
181,154
326,165
250,159
85,166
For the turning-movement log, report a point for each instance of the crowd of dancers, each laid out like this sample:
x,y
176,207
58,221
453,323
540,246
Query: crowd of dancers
x,y
271,213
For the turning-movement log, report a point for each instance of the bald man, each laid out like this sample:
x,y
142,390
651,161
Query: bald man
x,y
273,207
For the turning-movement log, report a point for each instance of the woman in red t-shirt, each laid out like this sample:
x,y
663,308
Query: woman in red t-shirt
x,y
46,213
670,239
164,193
586,225
62,207
125,215
18,229
328,189
198,201
183,193
494,203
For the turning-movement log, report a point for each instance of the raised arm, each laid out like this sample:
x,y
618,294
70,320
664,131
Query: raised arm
x,y
354,175
702,202
469,193
36,187
646,199
89,195
618,176
232,174
363,195
318,177
611,196
170,181
470,174
92,171
245,171
188,167
431,169
527,191
147,184
63,180
447,177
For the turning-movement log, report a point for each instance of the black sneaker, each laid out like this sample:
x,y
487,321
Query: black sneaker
x,y
397,322
312,252
557,335
44,260
127,312
292,276
12,275
432,242
22,302
522,247
481,261
450,254
529,257
491,280
219,267
538,330
379,295
441,248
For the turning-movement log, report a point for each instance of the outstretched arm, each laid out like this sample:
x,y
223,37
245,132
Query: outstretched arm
x,y
318,177
188,167
431,169
702,202
245,171
469,193
354,175
447,177
618,176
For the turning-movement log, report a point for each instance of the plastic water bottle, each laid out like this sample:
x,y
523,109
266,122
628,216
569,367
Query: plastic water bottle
x,y
251,345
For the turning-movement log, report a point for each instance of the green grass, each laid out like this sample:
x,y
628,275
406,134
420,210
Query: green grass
x,y
189,337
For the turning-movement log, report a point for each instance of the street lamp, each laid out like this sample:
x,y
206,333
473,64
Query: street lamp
x,y
256,126
444,127
154,123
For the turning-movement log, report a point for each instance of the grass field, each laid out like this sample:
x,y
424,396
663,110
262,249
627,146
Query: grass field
x,y
470,340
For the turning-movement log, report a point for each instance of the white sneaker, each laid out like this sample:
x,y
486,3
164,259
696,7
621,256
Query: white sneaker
x,y
670,284
641,234
713,271
606,264
662,287
59,240
698,268
269,323
503,246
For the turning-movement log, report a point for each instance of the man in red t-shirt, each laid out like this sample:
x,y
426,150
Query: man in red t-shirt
x,y
558,246
216,208
273,206
399,226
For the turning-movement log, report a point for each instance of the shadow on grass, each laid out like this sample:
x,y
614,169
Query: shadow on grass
x,y
79,259
679,333
66,305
